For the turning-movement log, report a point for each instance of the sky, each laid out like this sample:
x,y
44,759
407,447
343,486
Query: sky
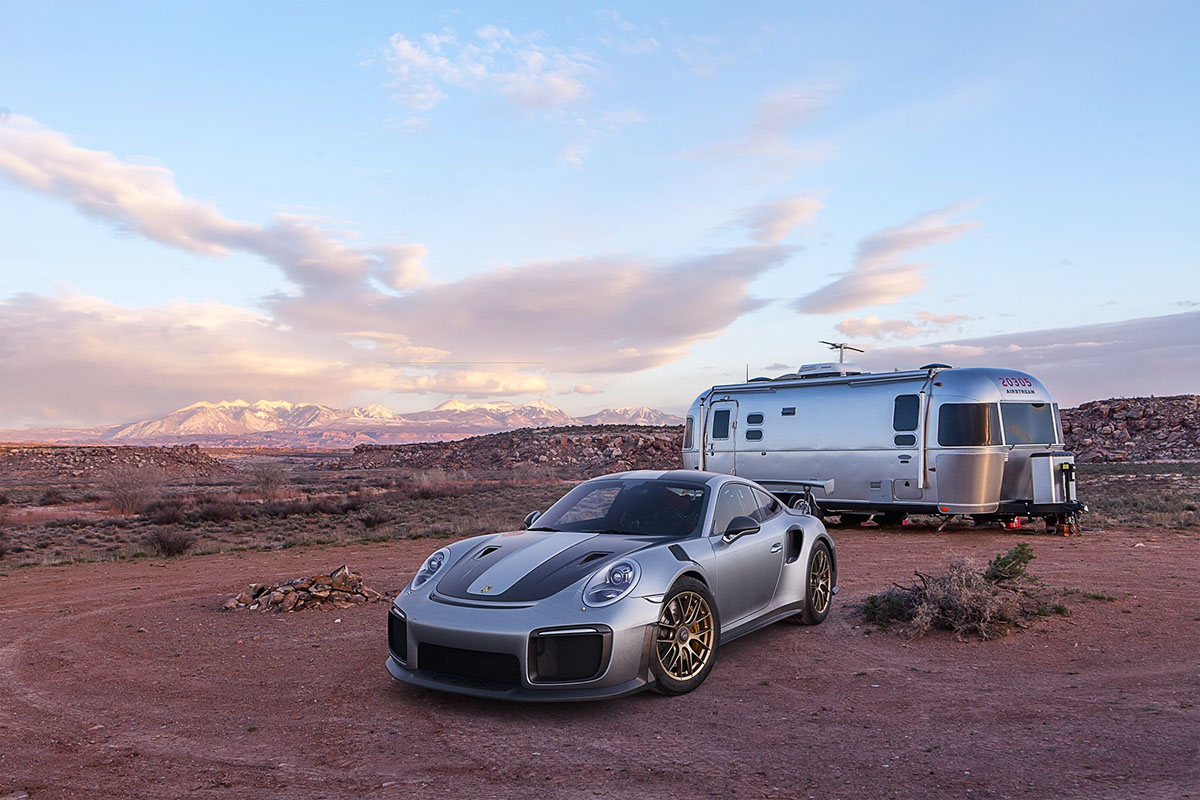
x,y
598,206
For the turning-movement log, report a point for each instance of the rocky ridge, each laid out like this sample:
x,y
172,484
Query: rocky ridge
x,y
574,450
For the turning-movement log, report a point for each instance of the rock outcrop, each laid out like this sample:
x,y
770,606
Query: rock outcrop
x,y
1134,429
92,462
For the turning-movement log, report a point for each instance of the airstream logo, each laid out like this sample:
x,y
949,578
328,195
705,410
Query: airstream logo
x,y
1013,385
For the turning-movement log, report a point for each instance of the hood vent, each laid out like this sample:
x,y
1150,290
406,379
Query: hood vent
x,y
487,551
590,557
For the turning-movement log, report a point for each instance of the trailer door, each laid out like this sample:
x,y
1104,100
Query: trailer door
x,y
906,436
720,434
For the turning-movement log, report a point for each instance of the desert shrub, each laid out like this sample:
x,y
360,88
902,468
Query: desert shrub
x,y
129,489
52,497
965,598
171,541
165,512
375,515
269,480
4,499
217,511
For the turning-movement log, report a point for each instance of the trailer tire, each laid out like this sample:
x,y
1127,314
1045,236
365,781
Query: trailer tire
x,y
853,520
891,519
806,505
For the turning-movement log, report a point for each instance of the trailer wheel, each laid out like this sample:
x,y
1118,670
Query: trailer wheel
x,y
853,520
891,519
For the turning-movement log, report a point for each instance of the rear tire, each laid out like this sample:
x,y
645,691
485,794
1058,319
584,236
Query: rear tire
x,y
818,589
685,643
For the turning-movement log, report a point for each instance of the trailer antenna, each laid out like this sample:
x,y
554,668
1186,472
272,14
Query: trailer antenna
x,y
841,347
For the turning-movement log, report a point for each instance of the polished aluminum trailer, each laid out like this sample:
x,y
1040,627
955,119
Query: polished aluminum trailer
x,y
980,441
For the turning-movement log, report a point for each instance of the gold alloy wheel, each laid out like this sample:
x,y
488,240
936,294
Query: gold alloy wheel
x,y
685,636
820,581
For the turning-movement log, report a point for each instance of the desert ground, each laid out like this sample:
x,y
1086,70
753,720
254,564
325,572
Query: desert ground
x,y
120,675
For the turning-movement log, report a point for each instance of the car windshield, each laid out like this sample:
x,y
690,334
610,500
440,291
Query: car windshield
x,y
644,508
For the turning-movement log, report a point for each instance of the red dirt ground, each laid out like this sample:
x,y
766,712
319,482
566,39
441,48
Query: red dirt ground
x,y
124,680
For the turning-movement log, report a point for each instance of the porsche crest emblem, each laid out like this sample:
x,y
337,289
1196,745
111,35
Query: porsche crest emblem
x,y
485,590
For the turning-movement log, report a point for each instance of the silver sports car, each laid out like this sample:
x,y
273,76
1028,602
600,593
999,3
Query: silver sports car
x,y
629,582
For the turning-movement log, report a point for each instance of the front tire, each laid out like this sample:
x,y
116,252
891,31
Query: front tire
x,y
818,592
685,643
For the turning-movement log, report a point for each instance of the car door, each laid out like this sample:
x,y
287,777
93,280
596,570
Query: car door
x,y
747,568
720,440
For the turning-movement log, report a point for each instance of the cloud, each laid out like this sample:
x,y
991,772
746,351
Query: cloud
x,y
581,388
767,137
771,223
520,70
878,277
1137,357
872,327
352,314
145,200
589,131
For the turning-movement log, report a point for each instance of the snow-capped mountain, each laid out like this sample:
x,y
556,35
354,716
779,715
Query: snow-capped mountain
x,y
625,415
283,423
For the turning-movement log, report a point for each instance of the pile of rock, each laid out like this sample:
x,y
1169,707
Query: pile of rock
x,y
340,588
573,451
92,462
1134,429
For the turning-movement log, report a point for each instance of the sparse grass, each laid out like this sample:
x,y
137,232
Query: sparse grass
x,y
1141,495
965,598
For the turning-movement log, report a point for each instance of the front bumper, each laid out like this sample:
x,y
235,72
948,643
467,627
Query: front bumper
x,y
508,633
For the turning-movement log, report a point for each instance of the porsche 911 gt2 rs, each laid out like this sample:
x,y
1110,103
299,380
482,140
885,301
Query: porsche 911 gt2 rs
x,y
630,581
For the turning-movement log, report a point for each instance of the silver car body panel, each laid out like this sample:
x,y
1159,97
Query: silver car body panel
x,y
756,579
843,431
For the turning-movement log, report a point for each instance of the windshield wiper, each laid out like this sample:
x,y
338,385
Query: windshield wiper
x,y
615,531
540,528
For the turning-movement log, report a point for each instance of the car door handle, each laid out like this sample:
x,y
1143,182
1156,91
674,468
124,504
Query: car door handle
x,y
775,548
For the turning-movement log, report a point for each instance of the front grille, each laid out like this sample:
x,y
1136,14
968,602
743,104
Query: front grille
x,y
569,657
501,669
398,636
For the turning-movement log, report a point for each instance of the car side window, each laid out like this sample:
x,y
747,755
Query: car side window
x,y
729,505
766,507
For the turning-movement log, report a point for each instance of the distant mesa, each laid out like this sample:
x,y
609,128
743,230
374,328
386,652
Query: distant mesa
x,y
280,423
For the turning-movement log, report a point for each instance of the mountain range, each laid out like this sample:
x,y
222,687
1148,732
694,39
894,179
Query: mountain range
x,y
279,423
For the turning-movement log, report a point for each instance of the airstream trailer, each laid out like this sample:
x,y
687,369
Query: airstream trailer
x,y
980,441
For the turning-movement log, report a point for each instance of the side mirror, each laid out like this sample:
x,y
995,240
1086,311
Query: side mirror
x,y
739,527
531,518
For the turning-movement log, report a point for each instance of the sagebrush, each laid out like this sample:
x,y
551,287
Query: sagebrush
x,y
966,598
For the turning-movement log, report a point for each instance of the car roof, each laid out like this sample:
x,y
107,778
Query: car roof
x,y
693,476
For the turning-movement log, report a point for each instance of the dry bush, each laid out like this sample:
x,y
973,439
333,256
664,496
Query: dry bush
x,y
52,497
269,480
130,489
165,512
966,598
428,477
171,541
4,499
5,547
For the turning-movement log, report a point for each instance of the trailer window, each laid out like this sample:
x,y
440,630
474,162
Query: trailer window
x,y
906,412
688,435
968,425
754,419
754,434
1028,423
720,424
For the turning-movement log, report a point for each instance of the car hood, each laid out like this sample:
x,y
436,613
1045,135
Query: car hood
x,y
525,566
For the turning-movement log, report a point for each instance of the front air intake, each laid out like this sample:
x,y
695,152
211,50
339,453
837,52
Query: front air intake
x,y
398,636
566,657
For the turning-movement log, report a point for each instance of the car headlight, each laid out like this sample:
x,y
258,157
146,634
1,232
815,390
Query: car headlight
x,y
611,583
430,568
